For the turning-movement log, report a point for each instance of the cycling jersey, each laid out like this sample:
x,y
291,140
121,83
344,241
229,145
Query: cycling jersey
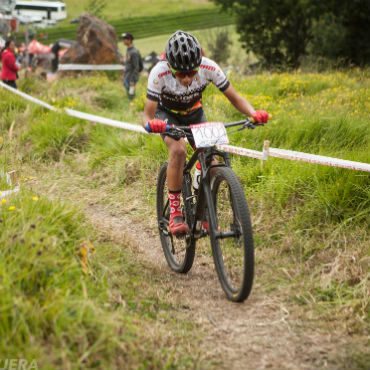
x,y
172,96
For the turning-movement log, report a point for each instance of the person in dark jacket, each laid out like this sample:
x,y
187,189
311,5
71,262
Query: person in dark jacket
x,y
9,67
132,65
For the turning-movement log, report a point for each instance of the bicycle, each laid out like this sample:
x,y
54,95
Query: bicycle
x,y
221,201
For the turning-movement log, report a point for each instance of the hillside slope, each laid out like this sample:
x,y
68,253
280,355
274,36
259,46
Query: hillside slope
x,y
120,306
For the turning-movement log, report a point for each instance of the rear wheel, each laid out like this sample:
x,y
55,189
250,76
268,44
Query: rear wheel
x,y
179,252
231,238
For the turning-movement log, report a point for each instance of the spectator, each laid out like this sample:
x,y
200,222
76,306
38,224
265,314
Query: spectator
x,y
55,61
9,66
132,65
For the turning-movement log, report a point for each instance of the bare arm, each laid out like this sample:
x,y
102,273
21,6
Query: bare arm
x,y
149,111
241,104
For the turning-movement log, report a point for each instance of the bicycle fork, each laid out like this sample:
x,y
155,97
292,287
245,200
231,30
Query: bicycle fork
x,y
204,200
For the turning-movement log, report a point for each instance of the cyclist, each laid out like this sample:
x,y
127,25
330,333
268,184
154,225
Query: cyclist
x,y
174,97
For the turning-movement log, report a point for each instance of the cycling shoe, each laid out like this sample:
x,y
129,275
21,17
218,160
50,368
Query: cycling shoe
x,y
177,226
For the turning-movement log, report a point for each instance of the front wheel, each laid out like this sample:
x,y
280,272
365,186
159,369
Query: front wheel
x,y
231,237
179,252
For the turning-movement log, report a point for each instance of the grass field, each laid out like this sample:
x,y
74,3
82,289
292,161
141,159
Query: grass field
x,y
148,26
125,9
61,282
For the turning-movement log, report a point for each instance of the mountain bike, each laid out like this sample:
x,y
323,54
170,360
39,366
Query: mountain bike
x,y
219,201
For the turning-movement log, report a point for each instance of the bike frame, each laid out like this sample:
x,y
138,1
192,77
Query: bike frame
x,y
204,197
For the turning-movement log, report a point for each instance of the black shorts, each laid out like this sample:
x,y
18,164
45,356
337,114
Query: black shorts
x,y
195,116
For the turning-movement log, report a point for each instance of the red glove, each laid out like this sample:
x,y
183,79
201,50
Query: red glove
x,y
157,125
261,116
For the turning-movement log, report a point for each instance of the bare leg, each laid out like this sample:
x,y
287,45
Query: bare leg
x,y
177,157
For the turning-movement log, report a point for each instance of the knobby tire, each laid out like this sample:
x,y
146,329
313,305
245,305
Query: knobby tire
x,y
233,256
179,252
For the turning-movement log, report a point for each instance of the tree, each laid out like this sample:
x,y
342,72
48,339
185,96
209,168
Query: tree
x,y
276,31
219,45
351,19
279,31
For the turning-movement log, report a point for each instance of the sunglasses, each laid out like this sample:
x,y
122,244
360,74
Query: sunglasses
x,y
184,74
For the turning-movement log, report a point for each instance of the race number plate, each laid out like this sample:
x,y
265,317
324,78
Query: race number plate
x,y
209,134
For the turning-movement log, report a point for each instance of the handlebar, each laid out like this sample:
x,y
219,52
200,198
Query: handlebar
x,y
246,123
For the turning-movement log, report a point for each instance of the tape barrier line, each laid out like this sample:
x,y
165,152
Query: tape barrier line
x,y
318,159
90,67
297,156
6,193
241,151
28,97
272,152
105,121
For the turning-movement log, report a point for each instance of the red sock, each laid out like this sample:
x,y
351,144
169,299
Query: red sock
x,y
175,203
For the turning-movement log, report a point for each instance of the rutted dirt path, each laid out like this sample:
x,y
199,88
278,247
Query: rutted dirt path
x,y
257,334
260,333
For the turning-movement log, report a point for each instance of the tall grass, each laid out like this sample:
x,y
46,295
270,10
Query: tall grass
x,y
57,301
69,297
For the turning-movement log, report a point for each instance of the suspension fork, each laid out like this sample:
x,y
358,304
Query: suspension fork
x,y
205,198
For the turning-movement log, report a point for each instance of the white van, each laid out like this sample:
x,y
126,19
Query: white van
x,y
55,10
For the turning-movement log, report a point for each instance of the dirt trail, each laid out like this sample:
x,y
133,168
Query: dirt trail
x,y
257,334
260,333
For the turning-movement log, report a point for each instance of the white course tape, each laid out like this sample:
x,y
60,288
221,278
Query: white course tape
x,y
318,159
297,156
90,67
105,121
273,152
241,151
6,193
30,98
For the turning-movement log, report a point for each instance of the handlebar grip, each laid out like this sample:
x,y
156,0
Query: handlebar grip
x,y
149,129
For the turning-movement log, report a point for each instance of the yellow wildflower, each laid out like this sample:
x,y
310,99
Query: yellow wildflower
x,y
3,200
35,198
86,248
11,208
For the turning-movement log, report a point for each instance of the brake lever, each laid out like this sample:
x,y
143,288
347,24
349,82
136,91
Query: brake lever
x,y
178,133
251,125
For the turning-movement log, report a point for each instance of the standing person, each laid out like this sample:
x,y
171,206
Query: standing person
x,y
132,65
174,97
9,66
